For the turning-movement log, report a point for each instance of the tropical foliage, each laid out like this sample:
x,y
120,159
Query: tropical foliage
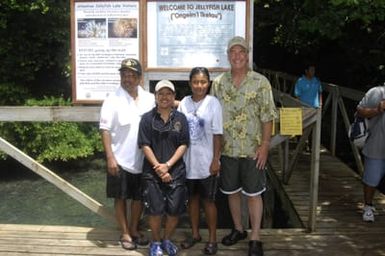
x,y
345,38
52,141
34,45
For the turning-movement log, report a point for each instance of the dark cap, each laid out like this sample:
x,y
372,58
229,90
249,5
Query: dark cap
x,y
131,64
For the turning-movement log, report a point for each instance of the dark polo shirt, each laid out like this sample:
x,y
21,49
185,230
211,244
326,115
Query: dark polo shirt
x,y
164,138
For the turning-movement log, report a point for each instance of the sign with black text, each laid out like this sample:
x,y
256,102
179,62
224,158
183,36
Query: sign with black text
x,y
104,34
184,34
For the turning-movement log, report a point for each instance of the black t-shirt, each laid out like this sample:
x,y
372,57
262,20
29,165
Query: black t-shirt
x,y
164,138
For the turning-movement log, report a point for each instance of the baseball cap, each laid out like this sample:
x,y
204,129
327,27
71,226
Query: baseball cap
x,y
238,40
164,84
132,64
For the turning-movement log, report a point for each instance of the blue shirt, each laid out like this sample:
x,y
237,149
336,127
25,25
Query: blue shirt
x,y
308,91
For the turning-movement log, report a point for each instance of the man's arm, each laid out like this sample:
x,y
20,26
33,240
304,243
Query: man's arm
x,y
368,112
263,149
112,164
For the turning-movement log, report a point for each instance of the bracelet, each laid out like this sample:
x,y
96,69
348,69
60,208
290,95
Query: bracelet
x,y
168,165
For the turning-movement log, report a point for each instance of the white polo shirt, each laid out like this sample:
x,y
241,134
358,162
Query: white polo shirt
x,y
120,115
205,120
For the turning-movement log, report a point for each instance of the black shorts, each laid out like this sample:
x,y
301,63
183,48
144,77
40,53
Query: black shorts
x,y
206,188
161,198
241,174
124,186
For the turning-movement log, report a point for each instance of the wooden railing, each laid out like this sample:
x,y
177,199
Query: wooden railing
x,y
336,95
311,121
52,114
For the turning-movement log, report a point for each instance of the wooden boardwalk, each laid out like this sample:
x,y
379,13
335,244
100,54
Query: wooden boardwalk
x,y
339,228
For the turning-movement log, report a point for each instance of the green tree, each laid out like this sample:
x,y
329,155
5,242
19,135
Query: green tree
x,y
54,141
344,35
34,44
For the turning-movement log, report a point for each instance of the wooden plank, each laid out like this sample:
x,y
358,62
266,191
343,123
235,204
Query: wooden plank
x,y
50,114
59,182
276,242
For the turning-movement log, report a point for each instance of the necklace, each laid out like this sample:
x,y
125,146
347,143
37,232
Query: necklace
x,y
196,106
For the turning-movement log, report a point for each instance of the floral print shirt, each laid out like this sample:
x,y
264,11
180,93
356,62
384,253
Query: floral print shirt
x,y
244,111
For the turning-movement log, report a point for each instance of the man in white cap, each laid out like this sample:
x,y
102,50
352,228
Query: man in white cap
x,y
164,138
119,124
248,111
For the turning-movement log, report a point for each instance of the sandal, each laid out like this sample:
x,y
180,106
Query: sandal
x,y
140,240
126,244
210,248
190,242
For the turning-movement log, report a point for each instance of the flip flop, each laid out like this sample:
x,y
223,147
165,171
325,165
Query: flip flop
x,y
210,249
126,244
190,242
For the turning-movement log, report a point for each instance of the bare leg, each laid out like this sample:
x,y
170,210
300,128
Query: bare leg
x,y
155,223
171,223
235,210
255,212
121,217
369,194
136,213
193,207
211,219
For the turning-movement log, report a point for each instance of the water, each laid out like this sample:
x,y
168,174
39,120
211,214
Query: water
x,y
26,198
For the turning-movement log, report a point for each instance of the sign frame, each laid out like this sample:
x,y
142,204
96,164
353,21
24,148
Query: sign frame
x,y
87,82
211,17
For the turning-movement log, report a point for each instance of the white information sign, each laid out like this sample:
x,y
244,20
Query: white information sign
x,y
185,34
105,34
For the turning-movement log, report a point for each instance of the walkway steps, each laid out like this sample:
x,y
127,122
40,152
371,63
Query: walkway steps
x,y
339,204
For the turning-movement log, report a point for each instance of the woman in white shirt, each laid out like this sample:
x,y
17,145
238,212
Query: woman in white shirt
x,y
204,116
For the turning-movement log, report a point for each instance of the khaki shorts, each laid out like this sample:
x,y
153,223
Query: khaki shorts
x,y
241,174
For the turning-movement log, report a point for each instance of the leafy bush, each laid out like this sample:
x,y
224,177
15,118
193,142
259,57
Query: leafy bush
x,y
52,141
12,94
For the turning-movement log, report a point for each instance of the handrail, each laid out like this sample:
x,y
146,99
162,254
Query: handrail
x,y
52,114
336,95
56,180
91,114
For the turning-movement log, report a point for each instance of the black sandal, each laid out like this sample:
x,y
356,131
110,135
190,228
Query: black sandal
x,y
190,242
140,240
210,248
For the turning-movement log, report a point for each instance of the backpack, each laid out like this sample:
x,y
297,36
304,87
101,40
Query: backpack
x,y
358,131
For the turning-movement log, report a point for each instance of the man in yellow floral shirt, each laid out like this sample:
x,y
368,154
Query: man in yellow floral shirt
x,y
248,112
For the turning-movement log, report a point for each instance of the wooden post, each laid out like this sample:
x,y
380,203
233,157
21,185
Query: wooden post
x,y
314,177
333,132
356,152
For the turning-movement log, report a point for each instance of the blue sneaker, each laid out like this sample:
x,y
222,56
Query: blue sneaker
x,y
169,247
155,249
